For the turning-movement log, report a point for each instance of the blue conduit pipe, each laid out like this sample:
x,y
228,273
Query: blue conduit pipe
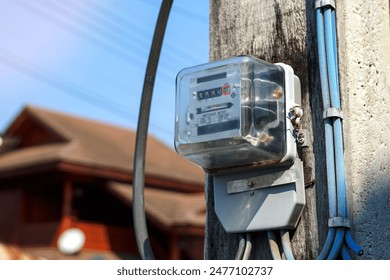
x,y
337,129
351,244
344,253
330,168
339,238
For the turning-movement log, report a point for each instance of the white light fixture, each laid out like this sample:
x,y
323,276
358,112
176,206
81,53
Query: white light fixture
x,y
71,241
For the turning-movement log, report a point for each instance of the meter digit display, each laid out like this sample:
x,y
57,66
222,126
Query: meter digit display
x,y
209,93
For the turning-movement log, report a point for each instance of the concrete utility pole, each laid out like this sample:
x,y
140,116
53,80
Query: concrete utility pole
x,y
284,31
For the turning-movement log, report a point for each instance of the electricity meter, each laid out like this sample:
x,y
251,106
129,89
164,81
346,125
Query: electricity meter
x,y
238,118
232,113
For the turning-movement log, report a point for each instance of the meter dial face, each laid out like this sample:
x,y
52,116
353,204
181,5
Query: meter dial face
x,y
214,109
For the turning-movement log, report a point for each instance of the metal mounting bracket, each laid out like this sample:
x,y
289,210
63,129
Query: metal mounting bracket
x,y
324,3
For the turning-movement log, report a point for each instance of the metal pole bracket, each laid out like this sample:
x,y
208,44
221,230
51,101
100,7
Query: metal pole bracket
x,y
333,112
323,3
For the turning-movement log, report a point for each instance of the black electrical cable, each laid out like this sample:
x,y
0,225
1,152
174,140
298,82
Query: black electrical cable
x,y
141,232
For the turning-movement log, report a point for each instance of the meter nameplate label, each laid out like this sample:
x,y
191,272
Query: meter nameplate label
x,y
214,109
264,181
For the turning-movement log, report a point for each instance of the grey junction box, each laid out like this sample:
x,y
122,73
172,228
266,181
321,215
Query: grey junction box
x,y
259,200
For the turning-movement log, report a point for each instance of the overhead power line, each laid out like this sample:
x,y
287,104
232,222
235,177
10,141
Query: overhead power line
x,y
123,32
82,34
92,98
106,29
42,75
119,50
65,10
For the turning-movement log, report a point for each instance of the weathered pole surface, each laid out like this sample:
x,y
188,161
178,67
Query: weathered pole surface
x,y
284,31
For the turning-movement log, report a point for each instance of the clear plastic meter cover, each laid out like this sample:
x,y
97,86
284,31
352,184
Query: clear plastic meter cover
x,y
231,113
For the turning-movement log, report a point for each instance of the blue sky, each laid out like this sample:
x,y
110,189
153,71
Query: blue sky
x,y
88,58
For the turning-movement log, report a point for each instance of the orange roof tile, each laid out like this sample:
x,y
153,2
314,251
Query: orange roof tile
x,y
95,144
169,208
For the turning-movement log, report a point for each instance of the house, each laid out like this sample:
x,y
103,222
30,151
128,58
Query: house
x,y
59,172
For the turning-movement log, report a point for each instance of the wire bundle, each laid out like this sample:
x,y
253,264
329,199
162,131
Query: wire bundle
x,y
339,238
244,247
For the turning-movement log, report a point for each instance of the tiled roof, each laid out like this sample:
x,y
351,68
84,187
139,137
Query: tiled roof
x,y
169,208
95,144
